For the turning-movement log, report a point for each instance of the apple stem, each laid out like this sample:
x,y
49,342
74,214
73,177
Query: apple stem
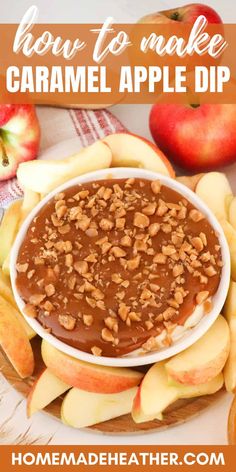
x,y
175,16
5,160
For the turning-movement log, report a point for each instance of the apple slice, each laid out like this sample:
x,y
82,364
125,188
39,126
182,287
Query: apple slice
x,y
30,200
86,376
7,294
155,393
190,181
230,234
205,359
43,176
81,409
232,424
230,366
6,265
232,213
230,314
8,229
137,413
27,328
6,290
46,388
214,189
230,304
129,150
228,202
14,341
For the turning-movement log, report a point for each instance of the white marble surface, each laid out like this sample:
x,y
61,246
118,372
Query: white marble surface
x,y
210,427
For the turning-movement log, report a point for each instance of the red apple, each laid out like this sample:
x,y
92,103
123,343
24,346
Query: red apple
x,y
19,137
196,138
186,14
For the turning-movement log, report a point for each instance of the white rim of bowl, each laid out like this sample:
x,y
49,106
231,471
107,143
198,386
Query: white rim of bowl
x,y
192,335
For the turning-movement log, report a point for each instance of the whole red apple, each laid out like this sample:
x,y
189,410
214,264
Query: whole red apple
x,y
186,14
196,138
19,137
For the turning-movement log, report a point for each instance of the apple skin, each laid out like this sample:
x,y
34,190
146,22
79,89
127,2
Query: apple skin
x,y
89,377
19,137
14,341
186,14
196,139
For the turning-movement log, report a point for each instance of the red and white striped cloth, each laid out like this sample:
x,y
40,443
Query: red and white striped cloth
x,y
59,125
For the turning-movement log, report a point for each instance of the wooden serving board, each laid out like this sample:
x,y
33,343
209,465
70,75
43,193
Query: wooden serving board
x,y
179,412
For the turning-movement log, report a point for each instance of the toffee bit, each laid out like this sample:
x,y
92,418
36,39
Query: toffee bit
x,y
106,247
150,209
149,324
126,241
101,305
196,215
210,271
81,267
36,299
150,344
91,232
153,229
96,351
203,238
178,269
71,282
91,302
162,208
107,335
69,260
30,310
101,241
168,250
22,267
67,321
116,278
88,320
61,211
156,186
160,258
155,288
50,290
48,306
30,274
120,223
197,243
75,213
123,311
105,224
111,324
118,251
133,264
202,297
83,223
64,229
141,221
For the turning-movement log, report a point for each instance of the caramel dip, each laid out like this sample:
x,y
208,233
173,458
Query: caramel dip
x,y
109,266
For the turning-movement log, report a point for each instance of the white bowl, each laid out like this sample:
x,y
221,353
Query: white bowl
x,y
191,335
